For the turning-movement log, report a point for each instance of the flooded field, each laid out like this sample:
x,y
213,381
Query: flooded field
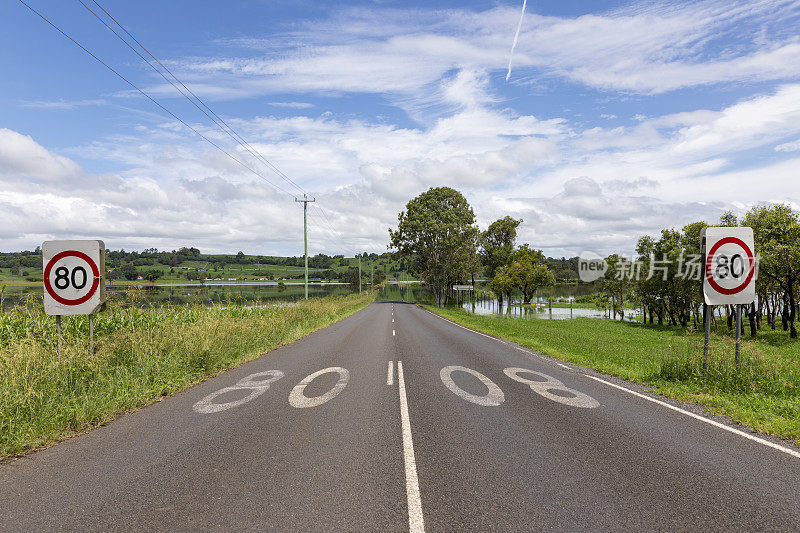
x,y
487,306
538,309
178,294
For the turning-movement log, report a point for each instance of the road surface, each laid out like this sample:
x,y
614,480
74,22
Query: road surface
x,y
393,420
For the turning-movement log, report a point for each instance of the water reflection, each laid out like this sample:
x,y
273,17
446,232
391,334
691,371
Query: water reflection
x,y
180,294
482,304
542,309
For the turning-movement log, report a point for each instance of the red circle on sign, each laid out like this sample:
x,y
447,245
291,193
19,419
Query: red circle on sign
x,y
71,253
717,287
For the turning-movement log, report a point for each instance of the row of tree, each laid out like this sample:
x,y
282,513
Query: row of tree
x,y
512,269
674,297
439,242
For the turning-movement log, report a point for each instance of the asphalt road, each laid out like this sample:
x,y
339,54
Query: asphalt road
x,y
413,423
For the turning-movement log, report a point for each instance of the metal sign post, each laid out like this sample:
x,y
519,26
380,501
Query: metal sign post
x,y
738,333
458,289
729,275
707,310
58,330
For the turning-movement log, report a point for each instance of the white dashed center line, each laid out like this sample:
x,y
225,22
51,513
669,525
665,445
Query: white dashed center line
x,y
415,521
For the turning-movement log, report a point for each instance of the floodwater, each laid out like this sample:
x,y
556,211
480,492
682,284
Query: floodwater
x,y
486,306
537,310
147,294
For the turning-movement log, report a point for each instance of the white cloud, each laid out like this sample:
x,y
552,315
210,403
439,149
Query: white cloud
x,y
63,104
643,47
293,105
788,147
576,189
22,156
578,186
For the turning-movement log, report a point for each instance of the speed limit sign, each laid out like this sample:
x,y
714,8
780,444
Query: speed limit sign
x,y
74,277
730,266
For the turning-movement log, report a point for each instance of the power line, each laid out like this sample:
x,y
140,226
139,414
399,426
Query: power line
x,y
156,102
324,228
208,112
327,221
205,109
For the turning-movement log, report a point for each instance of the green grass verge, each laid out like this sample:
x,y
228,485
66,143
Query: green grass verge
x,y
141,356
764,394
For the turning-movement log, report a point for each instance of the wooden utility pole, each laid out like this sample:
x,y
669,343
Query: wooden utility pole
x,y
305,201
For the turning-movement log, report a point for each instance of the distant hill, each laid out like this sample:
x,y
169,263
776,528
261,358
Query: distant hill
x,y
191,264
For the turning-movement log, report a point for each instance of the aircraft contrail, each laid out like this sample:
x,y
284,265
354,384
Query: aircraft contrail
x,y
516,36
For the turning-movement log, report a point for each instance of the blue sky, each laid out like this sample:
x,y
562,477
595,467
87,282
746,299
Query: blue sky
x,y
618,119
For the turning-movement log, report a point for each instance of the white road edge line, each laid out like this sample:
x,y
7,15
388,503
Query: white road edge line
x,y
415,522
390,373
701,418
468,329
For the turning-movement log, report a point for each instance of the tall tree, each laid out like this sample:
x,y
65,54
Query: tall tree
x,y
617,283
502,285
692,269
646,289
728,219
497,244
528,272
438,236
777,230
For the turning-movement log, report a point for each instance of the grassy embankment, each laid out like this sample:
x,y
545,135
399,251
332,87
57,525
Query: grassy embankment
x,y
764,394
141,355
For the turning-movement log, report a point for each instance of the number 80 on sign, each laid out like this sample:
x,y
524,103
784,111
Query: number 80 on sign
x,y
730,265
74,273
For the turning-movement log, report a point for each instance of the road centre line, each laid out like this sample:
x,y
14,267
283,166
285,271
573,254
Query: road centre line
x,y
416,523
739,432
390,373
392,333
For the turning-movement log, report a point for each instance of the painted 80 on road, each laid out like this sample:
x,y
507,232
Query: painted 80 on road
x,y
73,277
